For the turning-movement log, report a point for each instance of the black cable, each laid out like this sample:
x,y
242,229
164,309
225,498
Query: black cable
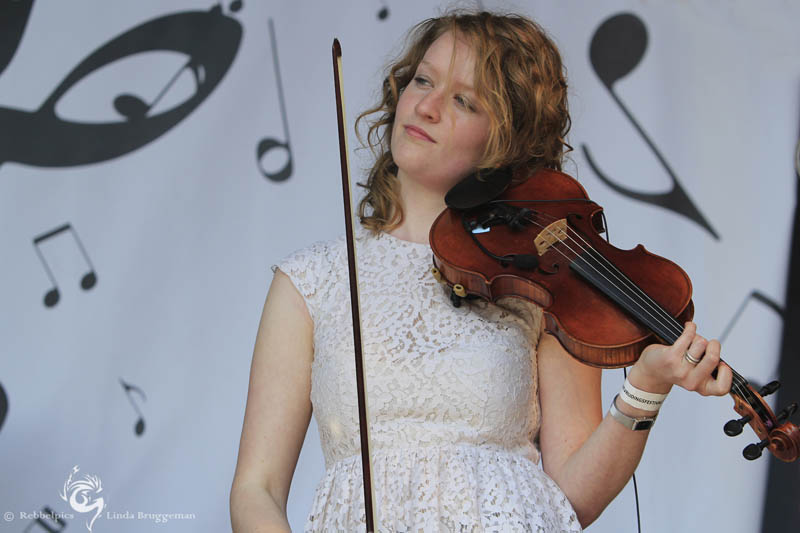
x,y
635,488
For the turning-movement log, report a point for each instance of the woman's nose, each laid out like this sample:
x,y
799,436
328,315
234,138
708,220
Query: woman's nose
x,y
429,106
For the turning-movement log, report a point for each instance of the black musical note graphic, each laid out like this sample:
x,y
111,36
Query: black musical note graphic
x,y
617,47
13,20
87,282
3,405
133,108
756,296
49,514
139,427
210,39
268,143
383,13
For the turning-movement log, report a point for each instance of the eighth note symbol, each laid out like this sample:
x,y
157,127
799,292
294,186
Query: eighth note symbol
x,y
617,47
87,282
267,144
139,427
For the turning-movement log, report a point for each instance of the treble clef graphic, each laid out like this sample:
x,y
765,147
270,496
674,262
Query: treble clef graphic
x,y
211,41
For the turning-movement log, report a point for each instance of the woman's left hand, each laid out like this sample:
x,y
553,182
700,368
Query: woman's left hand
x,y
660,366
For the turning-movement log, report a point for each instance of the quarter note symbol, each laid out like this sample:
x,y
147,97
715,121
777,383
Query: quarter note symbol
x,y
129,389
269,143
383,13
617,47
87,282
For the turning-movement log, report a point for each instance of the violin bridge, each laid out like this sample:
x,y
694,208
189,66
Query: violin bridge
x,y
552,234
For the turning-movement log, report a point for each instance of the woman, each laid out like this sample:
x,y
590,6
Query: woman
x,y
480,420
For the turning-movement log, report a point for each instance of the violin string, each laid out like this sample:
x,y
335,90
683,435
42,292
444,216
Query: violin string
x,y
661,314
676,327
738,381
661,317
668,320
630,294
739,384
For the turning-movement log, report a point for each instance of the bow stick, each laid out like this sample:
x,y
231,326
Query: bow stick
x,y
361,384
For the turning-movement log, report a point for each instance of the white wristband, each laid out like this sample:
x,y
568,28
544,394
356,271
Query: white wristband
x,y
646,401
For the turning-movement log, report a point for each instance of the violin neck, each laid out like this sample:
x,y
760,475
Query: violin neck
x,y
604,276
608,279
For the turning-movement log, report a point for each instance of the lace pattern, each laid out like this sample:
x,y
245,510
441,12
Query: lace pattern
x,y
452,392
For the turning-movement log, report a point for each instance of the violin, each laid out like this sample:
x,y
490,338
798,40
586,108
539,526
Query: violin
x,y
540,240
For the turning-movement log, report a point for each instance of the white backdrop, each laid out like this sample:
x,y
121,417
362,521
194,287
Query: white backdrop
x,y
180,220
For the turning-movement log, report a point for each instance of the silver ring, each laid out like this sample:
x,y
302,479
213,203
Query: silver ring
x,y
691,359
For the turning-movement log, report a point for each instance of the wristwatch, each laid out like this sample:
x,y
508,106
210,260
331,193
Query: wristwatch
x,y
636,424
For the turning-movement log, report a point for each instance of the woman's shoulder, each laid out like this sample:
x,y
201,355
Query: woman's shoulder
x,y
325,250
311,268
311,257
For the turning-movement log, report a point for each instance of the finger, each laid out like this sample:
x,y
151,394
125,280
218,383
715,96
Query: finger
x,y
700,378
683,342
696,349
682,367
722,384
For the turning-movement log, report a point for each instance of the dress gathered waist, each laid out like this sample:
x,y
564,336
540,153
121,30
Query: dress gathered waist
x,y
436,449
461,487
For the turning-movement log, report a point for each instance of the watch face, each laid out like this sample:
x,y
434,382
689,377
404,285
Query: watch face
x,y
643,424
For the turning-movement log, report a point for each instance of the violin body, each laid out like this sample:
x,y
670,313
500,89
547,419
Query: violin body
x,y
541,241
590,326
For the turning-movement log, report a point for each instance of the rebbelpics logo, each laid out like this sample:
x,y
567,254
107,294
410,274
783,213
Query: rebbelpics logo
x,y
80,495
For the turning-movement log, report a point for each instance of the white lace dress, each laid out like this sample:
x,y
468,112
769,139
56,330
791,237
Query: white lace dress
x,y
452,395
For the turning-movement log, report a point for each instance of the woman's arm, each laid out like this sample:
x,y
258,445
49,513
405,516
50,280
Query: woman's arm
x,y
592,457
277,414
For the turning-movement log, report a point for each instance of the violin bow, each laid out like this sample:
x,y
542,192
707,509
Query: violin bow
x,y
355,305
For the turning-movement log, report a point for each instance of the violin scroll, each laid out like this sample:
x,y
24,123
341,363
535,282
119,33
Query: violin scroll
x,y
777,434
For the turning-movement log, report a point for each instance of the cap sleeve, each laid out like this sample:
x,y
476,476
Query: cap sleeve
x,y
307,268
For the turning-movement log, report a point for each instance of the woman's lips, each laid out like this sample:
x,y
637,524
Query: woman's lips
x,y
418,133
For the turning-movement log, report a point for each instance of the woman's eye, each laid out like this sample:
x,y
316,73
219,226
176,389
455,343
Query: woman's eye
x,y
419,80
463,102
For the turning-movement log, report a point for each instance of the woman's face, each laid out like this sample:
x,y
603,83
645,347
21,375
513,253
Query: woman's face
x,y
439,132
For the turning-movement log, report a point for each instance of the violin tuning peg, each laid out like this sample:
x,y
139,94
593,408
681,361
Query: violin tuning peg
x,y
752,452
769,388
787,412
734,427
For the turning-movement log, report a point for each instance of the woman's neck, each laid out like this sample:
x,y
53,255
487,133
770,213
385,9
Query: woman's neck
x,y
421,206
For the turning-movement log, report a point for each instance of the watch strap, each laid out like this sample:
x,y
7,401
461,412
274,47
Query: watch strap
x,y
635,424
